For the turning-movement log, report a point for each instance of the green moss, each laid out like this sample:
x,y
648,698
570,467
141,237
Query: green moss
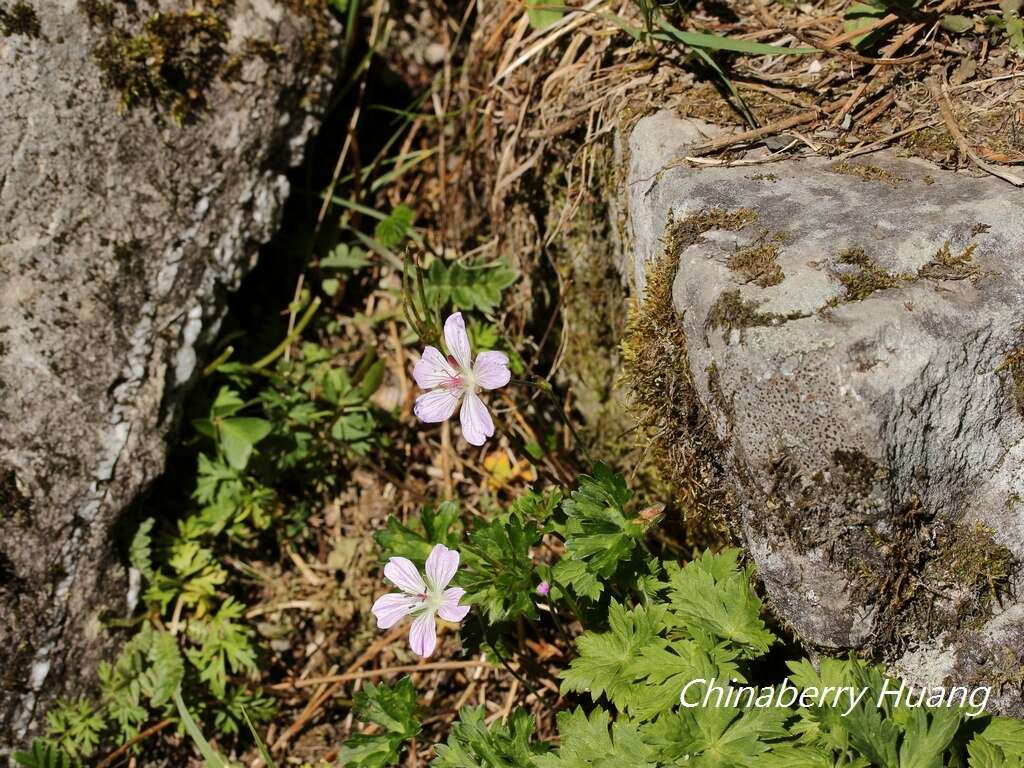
x,y
931,141
758,263
969,559
805,506
19,19
868,173
936,575
868,278
732,312
945,266
683,441
171,64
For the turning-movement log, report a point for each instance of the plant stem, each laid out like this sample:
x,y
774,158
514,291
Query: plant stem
x,y
279,350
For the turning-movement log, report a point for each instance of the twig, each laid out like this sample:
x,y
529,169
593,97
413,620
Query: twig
x,y
771,129
883,141
947,115
142,736
385,671
324,694
851,34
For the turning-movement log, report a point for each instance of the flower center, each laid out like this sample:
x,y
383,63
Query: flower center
x,y
463,381
430,601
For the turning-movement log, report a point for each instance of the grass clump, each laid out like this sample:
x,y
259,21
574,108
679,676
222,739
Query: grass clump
x,y
171,63
19,19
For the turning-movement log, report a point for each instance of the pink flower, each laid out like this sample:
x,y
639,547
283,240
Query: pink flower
x,y
543,588
456,377
422,597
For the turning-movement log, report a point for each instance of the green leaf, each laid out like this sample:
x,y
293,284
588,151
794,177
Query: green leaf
x,y
225,645
586,742
713,594
927,734
606,664
956,23
392,231
264,752
330,286
468,286
797,756
718,737
372,379
999,745
473,744
75,727
394,709
140,551
345,257
714,42
440,525
212,757
498,571
238,436
543,13
226,403
859,16
598,533
43,754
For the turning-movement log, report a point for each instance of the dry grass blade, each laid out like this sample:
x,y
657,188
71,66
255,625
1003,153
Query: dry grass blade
x,y
950,119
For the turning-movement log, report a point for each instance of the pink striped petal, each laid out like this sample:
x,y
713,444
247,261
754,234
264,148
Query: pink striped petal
x,y
436,405
423,634
491,370
433,370
457,339
450,609
476,421
403,574
442,563
392,608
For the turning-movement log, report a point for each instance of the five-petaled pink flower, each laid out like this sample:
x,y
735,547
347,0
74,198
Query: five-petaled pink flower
x,y
422,597
456,377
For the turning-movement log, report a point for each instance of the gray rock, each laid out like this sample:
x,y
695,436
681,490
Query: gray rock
x,y
851,334
120,236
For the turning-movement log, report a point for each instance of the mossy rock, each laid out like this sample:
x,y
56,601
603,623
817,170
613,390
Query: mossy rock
x,y
832,360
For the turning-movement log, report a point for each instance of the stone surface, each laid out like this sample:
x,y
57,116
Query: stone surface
x,y
853,347
120,235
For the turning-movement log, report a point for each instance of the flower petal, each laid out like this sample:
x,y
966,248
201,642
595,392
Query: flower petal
x,y
436,405
442,563
423,634
450,609
457,339
392,608
433,369
403,574
491,370
476,421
